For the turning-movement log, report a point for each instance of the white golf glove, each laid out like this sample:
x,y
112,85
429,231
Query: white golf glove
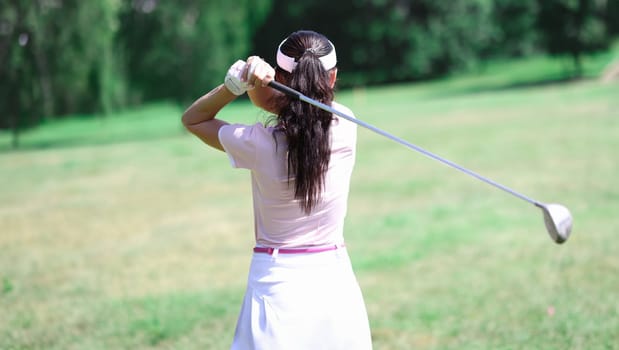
x,y
233,80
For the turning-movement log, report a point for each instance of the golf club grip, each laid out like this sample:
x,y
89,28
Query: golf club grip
x,y
286,90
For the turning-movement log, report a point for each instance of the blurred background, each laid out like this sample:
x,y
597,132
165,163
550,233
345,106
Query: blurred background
x,y
61,57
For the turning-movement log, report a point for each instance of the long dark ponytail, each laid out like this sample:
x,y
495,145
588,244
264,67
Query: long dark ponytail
x,y
306,127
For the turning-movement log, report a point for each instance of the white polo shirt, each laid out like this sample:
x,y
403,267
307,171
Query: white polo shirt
x,y
278,218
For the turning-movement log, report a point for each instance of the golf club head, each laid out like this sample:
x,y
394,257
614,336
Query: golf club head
x,y
558,221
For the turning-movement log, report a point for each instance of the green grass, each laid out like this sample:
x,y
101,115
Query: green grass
x,y
124,232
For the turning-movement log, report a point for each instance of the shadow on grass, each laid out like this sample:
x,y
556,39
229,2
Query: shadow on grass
x,y
60,142
549,82
148,122
561,80
445,91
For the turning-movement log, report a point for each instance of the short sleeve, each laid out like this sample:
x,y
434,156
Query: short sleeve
x,y
239,144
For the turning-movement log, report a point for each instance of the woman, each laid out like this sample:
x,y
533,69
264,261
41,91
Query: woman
x,y
301,292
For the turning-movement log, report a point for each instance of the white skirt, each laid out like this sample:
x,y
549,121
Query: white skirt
x,y
302,301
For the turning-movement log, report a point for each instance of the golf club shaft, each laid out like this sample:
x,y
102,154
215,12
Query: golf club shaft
x,y
295,94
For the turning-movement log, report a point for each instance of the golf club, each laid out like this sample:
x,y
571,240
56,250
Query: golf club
x,y
557,218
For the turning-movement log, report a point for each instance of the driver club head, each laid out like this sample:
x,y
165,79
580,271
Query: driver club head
x,y
558,221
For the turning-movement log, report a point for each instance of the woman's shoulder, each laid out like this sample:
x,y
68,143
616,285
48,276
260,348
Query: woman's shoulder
x,y
257,127
342,108
341,122
254,133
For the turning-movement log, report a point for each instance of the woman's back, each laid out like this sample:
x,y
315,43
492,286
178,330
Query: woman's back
x,y
279,220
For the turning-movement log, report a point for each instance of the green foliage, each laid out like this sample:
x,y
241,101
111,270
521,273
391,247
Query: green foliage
x,y
381,41
612,16
574,27
67,56
515,20
58,59
388,40
180,49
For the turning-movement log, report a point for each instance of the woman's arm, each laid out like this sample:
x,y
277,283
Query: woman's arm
x,y
262,97
200,120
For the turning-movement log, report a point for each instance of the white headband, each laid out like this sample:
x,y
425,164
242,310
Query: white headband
x,y
288,63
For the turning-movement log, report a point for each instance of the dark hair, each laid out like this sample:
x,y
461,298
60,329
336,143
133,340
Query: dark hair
x,y
306,127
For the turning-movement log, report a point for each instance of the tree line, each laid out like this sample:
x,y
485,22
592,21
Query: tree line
x,y
59,57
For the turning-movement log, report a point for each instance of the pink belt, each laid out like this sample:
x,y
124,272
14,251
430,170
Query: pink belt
x,y
272,251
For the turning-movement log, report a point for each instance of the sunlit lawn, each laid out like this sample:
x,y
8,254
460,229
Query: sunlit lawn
x,y
124,232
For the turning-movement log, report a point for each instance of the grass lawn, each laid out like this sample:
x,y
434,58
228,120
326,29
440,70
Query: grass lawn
x,y
124,232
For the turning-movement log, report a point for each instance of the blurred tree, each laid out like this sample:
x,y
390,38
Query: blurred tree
x,y
67,56
515,21
456,34
179,49
573,27
612,17
382,41
56,58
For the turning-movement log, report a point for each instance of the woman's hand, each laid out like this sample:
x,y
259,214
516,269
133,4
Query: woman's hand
x,y
261,73
235,81
258,72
